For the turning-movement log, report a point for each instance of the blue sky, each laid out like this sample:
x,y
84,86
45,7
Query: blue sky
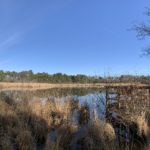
x,y
73,36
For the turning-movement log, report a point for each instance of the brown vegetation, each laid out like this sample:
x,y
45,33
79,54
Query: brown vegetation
x,y
35,86
27,125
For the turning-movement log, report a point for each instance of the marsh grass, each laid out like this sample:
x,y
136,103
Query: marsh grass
x,y
26,125
20,126
100,135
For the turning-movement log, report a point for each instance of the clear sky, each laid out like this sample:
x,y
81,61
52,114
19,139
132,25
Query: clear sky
x,y
72,36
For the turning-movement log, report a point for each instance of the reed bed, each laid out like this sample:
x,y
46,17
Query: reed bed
x,y
30,125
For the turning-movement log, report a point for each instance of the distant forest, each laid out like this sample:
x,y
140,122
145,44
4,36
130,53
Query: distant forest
x,y
29,76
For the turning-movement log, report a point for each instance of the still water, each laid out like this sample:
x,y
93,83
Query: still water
x,y
94,98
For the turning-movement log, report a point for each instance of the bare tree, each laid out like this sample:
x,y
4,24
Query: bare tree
x,y
143,31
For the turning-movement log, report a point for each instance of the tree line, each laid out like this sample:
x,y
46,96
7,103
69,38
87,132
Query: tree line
x,y
29,76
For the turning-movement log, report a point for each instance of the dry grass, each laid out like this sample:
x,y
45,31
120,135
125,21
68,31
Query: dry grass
x,y
64,137
100,136
147,115
84,116
20,127
142,125
27,124
5,143
35,86
56,113
25,140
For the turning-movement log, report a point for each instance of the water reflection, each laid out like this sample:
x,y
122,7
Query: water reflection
x,y
94,98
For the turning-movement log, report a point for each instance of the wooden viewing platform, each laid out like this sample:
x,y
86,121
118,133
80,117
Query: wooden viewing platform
x,y
127,98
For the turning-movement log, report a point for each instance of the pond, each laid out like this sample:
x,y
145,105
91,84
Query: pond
x,y
94,98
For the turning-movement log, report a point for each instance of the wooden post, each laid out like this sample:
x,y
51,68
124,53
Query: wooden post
x,y
118,97
149,96
107,98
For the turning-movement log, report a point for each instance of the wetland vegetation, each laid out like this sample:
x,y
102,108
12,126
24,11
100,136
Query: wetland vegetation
x,y
60,119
